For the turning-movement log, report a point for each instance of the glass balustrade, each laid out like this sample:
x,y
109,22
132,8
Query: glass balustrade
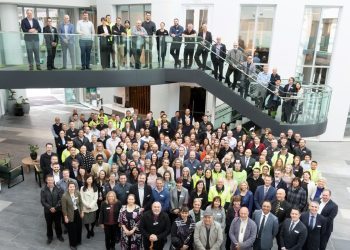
x,y
137,52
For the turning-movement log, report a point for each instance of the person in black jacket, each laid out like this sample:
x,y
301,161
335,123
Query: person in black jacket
x,y
104,32
51,200
45,159
293,233
289,91
316,225
218,55
232,212
155,227
108,219
205,40
51,40
141,188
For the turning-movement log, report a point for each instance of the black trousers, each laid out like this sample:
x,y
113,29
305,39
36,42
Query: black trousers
x,y
137,56
244,88
105,50
50,219
148,51
175,52
236,76
51,54
204,53
287,109
188,57
218,66
74,230
110,235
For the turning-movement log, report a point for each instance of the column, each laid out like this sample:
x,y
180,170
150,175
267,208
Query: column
x,y
11,38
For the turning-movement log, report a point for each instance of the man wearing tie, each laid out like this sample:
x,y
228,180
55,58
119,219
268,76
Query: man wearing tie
x,y
293,232
234,57
264,193
278,182
288,103
316,225
247,161
30,26
51,40
267,225
66,31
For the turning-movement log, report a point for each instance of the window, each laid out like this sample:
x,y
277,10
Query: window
x,y
316,46
255,31
133,12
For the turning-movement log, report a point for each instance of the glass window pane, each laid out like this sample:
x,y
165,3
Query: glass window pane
x,y
53,13
148,8
263,34
41,16
203,17
246,28
123,12
20,16
328,27
307,75
136,13
319,76
189,16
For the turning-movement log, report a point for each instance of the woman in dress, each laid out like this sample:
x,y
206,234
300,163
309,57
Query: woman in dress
x,y
89,196
72,210
108,218
129,220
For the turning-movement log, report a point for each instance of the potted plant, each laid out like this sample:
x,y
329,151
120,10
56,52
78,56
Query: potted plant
x,y
33,149
11,102
19,108
25,104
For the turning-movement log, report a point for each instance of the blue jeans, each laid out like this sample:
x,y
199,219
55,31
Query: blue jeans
x,y
85,51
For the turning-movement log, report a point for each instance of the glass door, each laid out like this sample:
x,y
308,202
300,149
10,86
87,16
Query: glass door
x,y
197,15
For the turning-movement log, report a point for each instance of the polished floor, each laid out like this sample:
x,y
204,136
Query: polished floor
x,y
22,225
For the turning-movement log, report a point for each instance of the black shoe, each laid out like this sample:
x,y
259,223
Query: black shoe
x,y
179,63
82,68
88,68
38,67
31,67
60,238
48,241
65,231
88,235
146,66
92,233
131,65
113,66
73,248
49,68
150,66
54,68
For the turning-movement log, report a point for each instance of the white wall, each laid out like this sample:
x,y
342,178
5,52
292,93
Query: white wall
x,y
61,3
165,97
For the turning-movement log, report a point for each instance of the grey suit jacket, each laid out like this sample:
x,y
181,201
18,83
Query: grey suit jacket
x,y
249,235
67,205
200,236
236,57
270,229
174,202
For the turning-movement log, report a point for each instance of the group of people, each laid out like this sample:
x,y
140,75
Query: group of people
x,y
143,178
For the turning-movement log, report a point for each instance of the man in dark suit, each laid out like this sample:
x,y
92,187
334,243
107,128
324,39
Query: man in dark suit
x,y
316,225
293,232
66,31
264,193
81,140
329,209
30,26
51,40
45,159
280,207
135,123
267,225
247,161
189,35
278,182
174,122
255,180
142,192
205,39
287,107
218,55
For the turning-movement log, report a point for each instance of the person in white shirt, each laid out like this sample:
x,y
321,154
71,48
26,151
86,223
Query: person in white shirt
x,y
112,142
86,30
232,141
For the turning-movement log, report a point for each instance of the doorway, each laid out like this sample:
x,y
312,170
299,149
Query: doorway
x,y
193,98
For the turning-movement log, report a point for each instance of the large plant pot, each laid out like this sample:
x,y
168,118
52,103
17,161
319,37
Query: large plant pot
x,y
34,156
19,111
26,108
11,106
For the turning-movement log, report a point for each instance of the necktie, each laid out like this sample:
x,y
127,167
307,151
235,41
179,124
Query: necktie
x,y
291,227
246,162
261,227
277,207
311,224
266,189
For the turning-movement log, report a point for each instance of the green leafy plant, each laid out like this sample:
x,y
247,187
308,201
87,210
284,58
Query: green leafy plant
x,y
12,94
33,148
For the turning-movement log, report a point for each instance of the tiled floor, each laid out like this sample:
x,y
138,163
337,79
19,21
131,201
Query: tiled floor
x,y
22,225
